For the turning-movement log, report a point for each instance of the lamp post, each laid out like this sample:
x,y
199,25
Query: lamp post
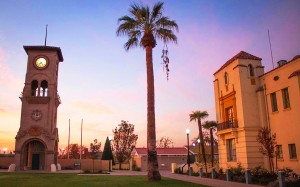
x,y
188,155
4,150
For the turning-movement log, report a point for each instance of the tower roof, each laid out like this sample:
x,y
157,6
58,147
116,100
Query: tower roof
x,y
240,55
45,48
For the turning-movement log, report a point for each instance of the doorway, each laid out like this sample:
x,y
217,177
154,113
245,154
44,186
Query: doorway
x,y
35,161
34,155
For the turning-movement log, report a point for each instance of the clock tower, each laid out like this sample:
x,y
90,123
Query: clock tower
x,y
37,139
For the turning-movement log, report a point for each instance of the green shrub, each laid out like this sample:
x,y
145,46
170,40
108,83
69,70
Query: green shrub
x,y
135,168
238,173
262,176
221,172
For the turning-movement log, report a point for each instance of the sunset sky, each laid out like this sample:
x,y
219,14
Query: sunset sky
x,y
103,84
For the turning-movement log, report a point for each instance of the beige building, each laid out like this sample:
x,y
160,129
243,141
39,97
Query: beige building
x,y
246,99
165,157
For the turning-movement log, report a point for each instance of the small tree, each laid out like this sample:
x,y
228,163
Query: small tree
x,y
74,152
165,142
211,126
124,141
95,147
268,143
107,152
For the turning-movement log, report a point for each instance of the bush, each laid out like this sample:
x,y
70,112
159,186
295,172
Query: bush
x,y
238,173
87,171
135,168
177,170
262,176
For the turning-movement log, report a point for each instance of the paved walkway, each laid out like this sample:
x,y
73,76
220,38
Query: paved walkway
x,y
205,181
193,179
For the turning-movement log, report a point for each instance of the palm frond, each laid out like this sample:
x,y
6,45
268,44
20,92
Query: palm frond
x,y
166,35
142,21
165,22
156,11
210,124
132,42
198,115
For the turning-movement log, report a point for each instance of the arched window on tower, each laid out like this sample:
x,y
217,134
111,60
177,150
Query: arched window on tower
x,y
226,78
34,88
251,70
44,88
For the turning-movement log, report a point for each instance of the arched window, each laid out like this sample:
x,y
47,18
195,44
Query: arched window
x,y
251,70
34,88
44,88
226,78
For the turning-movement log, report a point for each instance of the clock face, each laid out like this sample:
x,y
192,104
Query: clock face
x,y
41,62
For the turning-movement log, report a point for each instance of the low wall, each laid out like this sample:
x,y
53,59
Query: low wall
x,y
6,161
85,164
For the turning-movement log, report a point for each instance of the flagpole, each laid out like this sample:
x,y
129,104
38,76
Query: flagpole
x,y
69,140
81,139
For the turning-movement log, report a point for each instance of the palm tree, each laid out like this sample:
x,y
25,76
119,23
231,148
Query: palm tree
x,y
198,116
143,27
211,125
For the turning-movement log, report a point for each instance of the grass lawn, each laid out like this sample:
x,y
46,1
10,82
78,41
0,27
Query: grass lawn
x,y
73,180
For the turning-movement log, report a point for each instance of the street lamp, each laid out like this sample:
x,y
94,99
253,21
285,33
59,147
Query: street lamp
x,y
4,150
188,155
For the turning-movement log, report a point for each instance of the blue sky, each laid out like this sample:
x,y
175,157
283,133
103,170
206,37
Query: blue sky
x,y
103,84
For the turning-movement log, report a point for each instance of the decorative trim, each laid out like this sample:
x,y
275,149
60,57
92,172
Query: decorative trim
x,y
36,115
33,131
239,65
276,78
37,100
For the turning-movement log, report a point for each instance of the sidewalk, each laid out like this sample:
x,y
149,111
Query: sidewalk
x,y
205,181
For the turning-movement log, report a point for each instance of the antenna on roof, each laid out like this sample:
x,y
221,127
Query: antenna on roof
x,y
271,48
46,35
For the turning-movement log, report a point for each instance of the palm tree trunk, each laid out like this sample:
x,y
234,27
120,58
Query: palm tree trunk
x,y
212,146
153,172
202,144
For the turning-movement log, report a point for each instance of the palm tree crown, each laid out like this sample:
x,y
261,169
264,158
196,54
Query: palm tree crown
x,y
198,115
144,27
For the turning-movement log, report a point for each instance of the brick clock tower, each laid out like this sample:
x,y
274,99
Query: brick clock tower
x,y
37,138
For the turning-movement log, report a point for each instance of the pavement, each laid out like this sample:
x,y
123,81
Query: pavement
x,y
168,174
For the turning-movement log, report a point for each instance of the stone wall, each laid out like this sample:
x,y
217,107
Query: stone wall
x,y
5,162
85,164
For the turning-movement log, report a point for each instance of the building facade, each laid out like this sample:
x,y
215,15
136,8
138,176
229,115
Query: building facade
x,y
247,99
165,157
37,139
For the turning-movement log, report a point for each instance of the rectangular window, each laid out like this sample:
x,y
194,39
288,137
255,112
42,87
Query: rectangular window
x,y
279,151
285,98
292,150
231,150
229,114
274,102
